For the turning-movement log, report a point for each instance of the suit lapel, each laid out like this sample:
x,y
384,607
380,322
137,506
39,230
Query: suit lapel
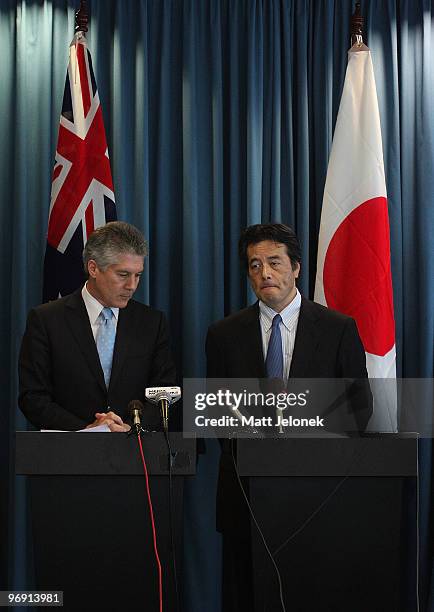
x,y
251,342
78,321
306,342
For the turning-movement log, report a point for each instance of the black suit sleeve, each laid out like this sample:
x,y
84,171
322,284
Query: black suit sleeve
x,y
163,372
35,380
351,361
352,365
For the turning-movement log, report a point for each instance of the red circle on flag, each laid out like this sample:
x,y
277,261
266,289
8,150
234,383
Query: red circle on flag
x,y
357,277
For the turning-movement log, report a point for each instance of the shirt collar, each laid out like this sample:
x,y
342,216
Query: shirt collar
x,y
94,307
289,314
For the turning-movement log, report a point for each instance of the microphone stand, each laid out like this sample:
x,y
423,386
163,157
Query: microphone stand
x,y
137,429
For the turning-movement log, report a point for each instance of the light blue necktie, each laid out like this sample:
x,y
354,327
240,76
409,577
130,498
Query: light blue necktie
x,y
105,341
274,360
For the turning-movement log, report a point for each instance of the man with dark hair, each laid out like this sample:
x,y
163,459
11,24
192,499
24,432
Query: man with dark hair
x,y
85,356
272,232
308,340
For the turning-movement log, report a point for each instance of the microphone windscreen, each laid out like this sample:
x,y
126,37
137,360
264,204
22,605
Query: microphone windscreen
x,y
135,405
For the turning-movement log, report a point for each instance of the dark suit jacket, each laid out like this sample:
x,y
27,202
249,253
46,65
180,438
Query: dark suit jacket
x,y
61,379
327,345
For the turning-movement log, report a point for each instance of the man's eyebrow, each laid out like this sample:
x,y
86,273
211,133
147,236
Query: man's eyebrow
x,y
275,256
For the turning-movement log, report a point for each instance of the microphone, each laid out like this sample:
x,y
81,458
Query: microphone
x,y
275,386
240,416
135,410
163,396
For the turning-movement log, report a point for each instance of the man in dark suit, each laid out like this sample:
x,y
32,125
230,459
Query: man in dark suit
x,y
66,382
313,341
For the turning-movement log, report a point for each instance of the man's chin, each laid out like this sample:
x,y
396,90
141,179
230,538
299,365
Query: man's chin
x,y
123,301
269,294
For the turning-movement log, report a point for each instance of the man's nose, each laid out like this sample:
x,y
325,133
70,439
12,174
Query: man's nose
x,y
131,283
266,271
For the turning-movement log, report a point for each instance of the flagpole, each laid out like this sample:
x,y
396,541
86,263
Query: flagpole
x,y
82,18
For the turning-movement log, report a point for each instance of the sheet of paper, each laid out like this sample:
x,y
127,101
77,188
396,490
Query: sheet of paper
x,y
103,428
99,428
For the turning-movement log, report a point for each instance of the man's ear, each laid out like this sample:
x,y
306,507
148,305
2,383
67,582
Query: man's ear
x,y
296,270
92,268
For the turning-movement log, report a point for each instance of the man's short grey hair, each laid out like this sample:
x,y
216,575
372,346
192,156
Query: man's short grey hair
x,y
109,241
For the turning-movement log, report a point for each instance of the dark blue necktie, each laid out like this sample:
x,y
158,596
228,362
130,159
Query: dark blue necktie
x,y
274,360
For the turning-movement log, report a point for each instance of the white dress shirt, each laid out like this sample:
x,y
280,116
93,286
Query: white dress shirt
x,y
288,329
94,308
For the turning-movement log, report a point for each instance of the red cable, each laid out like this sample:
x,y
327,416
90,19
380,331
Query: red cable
x,y
154,534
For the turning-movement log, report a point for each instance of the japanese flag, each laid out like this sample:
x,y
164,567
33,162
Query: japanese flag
x,y
353,266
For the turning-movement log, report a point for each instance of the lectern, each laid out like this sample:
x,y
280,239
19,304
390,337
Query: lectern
x,y
332,512
92,532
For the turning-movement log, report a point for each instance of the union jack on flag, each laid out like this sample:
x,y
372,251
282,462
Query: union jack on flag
x,y
82,194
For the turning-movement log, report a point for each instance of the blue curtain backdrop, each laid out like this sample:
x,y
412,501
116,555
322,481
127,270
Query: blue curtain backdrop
x,y
219,113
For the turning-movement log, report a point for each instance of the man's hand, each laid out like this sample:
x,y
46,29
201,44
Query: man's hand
x,y
112,420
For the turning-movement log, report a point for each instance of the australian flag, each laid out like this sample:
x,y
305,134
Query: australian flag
x,y
82,194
